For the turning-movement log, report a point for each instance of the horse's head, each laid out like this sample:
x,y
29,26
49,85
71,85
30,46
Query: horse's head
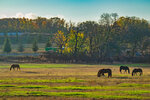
x,y
98,74
129,71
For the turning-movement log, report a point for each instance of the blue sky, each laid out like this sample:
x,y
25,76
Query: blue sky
x,y
74,10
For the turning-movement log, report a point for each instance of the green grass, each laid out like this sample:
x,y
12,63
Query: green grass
x,y
6,85
120,86
24,80
73,87
71,94
33,86
61,87
43,65
133,85
84,87
136,92
68,65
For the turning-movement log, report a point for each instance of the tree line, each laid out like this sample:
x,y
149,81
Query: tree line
x,y
112,37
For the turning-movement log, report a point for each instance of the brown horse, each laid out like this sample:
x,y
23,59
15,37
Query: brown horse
x,y
138,70
124,68
102,71
15,66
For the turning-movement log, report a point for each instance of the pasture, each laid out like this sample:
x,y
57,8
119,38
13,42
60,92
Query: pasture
x,y
72,82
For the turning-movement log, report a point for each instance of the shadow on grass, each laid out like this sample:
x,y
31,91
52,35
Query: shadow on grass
x,y
31,72
124,77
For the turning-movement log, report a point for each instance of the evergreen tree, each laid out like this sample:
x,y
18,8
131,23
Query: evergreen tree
x,y
17,37
20,47
35,46
7,45
48,44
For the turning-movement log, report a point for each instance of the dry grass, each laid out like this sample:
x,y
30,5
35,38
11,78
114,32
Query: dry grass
x,y
75,82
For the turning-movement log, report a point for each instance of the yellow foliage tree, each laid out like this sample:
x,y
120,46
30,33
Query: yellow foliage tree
x,y
75,41
60,40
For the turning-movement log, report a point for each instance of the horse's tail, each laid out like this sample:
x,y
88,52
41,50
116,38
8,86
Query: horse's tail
x,y
110,74
141,73
18,67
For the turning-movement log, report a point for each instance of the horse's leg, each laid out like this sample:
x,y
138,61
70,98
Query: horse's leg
x,y
103,74
109,75
140,73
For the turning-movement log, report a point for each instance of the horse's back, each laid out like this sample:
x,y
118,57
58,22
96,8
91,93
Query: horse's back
x,y
108,70
124,67
137,70
15,65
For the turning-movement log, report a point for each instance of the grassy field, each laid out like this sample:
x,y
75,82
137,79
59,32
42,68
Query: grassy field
x,y
72,82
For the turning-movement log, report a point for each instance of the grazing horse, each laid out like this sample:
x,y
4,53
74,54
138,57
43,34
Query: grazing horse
x,y
124,68
102,71
15,66
135,71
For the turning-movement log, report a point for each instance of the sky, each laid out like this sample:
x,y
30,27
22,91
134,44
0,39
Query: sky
x,y
74,10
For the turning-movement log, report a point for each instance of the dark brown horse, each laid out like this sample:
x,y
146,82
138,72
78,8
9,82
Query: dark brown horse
x,y
15,66
138,70
102,71
126,68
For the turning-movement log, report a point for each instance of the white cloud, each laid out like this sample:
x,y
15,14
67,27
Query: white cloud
x,y
3,16
30,16
50,16
19,15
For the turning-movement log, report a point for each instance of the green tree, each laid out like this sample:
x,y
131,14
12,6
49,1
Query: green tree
x,y
90,29
48,43
20,47
134,31
7,45
35,46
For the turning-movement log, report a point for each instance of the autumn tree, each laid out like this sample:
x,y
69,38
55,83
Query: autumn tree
x,y
60,40
90,29
75,42
134,32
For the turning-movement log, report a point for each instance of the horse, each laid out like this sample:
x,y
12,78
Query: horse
x,y
124,68
102,71
15,66
135,71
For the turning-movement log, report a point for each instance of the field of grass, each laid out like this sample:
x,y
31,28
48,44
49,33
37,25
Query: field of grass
x,y
72,82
